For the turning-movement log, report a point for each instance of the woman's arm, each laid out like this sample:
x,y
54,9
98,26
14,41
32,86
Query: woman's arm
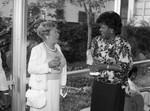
x,y
64,69
125,58
101,67
35,66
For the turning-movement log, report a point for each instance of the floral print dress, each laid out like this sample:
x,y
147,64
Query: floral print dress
x,y
117,51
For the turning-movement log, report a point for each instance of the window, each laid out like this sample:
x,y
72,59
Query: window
x,y
142,8
83,17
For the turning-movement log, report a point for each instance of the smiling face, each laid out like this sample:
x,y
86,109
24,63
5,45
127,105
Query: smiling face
x,y
106,31
53,35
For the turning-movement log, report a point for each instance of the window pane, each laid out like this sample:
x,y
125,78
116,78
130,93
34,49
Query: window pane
x,y
147,12
138,4
138,11
82,17
147,4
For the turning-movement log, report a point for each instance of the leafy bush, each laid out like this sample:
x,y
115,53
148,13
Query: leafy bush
x,y
139,39
76,37
78,81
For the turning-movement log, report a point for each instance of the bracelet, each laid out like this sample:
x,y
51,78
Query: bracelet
x,y
108,67
49,70
120,68
63,86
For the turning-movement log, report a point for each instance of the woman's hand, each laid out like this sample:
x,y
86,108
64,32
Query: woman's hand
x,y
89,60
54,63
115,67
94,68
57,70
101,67
64,91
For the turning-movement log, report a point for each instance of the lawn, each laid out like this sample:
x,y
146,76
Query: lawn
x,y
79,93
75,101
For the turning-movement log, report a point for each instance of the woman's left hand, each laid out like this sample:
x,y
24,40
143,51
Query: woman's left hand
x,y
64,91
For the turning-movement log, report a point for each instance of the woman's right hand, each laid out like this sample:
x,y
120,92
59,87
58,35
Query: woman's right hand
x,y
94,68
56,71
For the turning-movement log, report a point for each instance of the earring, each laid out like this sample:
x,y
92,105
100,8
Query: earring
x,y
47,37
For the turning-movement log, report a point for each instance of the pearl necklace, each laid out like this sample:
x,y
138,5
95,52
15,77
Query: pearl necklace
x,y
53,50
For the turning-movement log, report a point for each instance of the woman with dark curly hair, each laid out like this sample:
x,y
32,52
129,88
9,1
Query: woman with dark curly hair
x,y
112,61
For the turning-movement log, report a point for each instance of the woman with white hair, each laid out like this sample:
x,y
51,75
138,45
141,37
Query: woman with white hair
x,y
47,66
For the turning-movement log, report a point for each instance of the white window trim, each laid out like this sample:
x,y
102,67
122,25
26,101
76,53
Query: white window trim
x,y
117,6
131,4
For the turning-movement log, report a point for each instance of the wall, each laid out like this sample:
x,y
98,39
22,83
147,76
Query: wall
x,y
71,11
142,10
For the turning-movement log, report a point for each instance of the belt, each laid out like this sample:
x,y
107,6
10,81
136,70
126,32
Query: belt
x,y
53,76
106,81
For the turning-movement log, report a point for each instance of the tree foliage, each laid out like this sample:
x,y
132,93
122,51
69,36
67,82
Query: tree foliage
x,y
94,4
33,21
89,6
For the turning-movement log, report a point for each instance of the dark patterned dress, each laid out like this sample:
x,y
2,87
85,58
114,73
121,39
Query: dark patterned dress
x,y
107,91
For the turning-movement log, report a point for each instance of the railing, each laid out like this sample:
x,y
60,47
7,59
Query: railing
x,y
11,82
86,71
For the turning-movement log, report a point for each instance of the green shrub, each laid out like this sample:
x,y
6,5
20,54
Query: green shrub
x,y
139,39
76,36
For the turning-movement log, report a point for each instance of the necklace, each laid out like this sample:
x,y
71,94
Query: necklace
x,y
53,50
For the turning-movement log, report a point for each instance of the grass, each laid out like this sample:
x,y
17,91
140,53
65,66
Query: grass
x,y
75,101
79,93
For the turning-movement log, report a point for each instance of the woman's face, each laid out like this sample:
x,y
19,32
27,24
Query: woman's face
x,y
105,31
54,35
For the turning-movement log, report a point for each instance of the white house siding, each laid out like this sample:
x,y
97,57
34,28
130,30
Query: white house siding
x,y
117,6
109,6
130,9
72,11
137,10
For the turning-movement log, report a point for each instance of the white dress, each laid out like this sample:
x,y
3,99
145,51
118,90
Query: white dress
x,y
53,83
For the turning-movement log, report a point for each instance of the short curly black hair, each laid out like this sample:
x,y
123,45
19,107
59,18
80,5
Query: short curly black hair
x,y
112,20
